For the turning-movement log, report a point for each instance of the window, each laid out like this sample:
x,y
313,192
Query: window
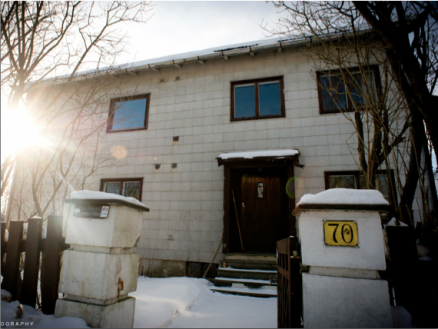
x,y
333,89
257,99
129,187
129,113
353,179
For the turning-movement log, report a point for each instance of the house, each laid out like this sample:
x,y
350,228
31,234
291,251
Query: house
x,y
223,142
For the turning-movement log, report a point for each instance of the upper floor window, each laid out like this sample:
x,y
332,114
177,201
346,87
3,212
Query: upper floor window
x,y
129,113
257,99
347,90
129,187
354,180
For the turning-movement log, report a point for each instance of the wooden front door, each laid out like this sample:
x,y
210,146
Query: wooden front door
x,y
261,211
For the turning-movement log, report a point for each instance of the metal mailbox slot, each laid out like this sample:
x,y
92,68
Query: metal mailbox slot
x,y
94,211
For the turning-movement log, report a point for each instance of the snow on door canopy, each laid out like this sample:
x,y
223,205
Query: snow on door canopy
x,y
259,154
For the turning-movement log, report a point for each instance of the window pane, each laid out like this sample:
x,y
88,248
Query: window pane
x,y
112,188
244,101
333,93
132,189
342,181
361,91
129,114
269,98
382,184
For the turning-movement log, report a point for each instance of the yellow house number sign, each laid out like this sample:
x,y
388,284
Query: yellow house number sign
x,y
340,233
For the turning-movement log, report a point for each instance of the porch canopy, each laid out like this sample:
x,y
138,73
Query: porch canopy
x,y
269,156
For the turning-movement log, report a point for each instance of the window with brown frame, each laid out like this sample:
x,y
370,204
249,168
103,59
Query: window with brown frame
x,y
257,99
129,113
339,92
353,179
129,187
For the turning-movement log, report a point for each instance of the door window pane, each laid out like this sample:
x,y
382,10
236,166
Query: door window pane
x,y
333,93
112,188
269,98
131,189
244,101
129,114
342,181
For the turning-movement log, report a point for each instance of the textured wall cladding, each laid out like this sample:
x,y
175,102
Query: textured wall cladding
x,y
185,221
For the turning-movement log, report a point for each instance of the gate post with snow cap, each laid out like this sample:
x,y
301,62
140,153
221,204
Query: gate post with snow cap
x,y
342,247
101,268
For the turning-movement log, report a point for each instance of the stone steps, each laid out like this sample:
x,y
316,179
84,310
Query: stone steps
x,y
263,293
252,275
239,273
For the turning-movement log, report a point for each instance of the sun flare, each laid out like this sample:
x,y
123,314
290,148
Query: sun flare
x,y
18,131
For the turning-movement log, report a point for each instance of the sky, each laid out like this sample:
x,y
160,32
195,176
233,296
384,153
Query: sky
x,y
182,26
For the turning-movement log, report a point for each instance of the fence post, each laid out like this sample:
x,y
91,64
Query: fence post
x,y
12,273
50,279
289,299
296,300
32,261
3,243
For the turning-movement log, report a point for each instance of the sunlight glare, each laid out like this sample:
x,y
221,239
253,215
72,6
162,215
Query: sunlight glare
x,y
18,131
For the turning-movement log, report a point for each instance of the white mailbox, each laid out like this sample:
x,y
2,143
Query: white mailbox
x,y
101,268
108,223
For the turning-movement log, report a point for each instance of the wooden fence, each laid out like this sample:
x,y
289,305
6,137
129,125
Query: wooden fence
x,y
289,291
22,283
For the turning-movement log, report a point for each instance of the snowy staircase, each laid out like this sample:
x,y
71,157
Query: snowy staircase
x,y
248,275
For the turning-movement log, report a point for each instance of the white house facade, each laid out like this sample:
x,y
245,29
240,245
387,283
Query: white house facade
x,y
172,130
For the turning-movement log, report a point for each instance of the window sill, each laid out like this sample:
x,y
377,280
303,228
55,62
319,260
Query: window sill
x,y
124,130
260,118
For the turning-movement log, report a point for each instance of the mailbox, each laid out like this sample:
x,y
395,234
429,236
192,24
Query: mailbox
x,y
101,267
108,223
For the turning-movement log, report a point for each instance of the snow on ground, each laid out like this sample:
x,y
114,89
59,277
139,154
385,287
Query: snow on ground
x,y
175,303
189,303
24,316
344,196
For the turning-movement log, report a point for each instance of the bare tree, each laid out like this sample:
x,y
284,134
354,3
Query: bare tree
x,y
409,31
71,151
43,39
388,127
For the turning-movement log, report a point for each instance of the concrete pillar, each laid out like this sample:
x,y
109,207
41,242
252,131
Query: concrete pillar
x,y
342,247
101,268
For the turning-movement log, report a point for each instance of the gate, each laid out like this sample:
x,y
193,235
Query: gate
x,y
289,289
22,280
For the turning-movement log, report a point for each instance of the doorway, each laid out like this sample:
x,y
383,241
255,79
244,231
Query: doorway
x,y
261,206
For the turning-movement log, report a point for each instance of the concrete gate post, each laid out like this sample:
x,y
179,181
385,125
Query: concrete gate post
x,y
101,268
343,249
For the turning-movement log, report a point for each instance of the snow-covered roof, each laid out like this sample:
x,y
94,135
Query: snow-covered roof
x,y
195,56
254,45
96,195
259,154
344,196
